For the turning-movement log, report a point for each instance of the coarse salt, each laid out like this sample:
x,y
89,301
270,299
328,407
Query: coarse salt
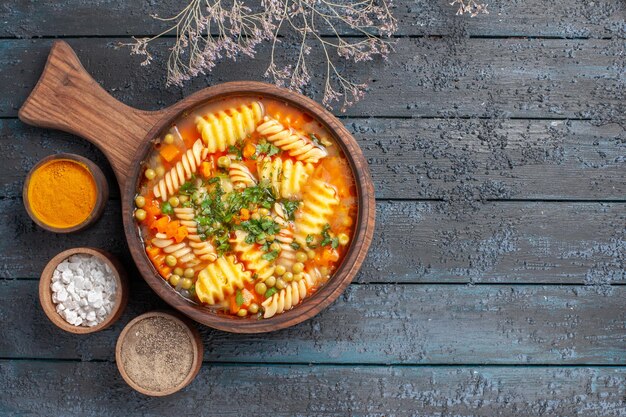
x,y
83,289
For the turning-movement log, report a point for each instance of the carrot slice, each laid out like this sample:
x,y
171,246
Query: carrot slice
x,y
248,150
171,228
205,169
180,234
169,152
161,224
232,303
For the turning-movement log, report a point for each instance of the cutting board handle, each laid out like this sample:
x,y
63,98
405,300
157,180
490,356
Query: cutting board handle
x,y
68,99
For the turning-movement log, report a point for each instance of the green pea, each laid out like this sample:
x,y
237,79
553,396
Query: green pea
x,y
160,171
260,288
301,256
275,247
170,260
254,308
174,280
297,267
264,212
343,239
288,276
298,276
310,254
280,284
242,312
271,281
280,270
223,161
178,271
150,174
189,273
169,139
140,201
174,201
140,214
183,198
186,283
255,216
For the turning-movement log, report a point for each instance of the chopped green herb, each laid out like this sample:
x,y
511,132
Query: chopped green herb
x,y
309,241
270,256
316,140
265,148
258,229
236,151
295,245
166,208
188,187
239,298
290,208
270,292
327,239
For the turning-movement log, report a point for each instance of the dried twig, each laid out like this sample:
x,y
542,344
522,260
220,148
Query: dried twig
x,y
208,30
472,7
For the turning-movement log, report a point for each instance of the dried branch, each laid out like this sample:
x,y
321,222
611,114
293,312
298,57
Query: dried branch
x,y
472,7
208,30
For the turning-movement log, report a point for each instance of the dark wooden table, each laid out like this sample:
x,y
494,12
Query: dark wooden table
x,y
495,283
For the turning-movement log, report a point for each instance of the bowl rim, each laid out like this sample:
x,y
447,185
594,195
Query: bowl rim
x,y
102,194
362,236
45,292
196,342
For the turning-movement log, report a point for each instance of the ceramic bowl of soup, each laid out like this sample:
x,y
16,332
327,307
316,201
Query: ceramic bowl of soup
x,y
247,207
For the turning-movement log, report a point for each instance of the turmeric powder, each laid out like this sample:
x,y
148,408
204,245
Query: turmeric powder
x,y
62,193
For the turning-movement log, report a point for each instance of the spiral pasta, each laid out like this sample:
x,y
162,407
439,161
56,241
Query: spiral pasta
x,y
240,175
288,297
294,143
285,176
182,171
221,279
224,128
251,256
181,251
318,202
203,249
284,238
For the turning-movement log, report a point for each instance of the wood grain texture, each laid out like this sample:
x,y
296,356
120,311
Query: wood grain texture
x,y
67,98
414,242
422,158
424,77
462,238
377,324
41,388
576,18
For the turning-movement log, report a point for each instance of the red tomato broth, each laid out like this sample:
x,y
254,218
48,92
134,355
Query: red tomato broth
x,y
333,171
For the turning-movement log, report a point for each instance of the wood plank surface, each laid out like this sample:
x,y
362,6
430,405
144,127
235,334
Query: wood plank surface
x,y
44,388
414,242
375,324
425,77
576,18
422,158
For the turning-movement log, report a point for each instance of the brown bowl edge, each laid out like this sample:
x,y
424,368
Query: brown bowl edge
x,y
353,260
